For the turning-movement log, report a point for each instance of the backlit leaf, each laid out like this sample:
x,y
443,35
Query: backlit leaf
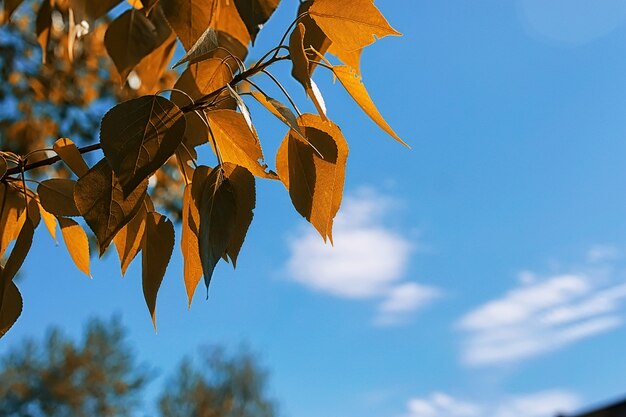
x,y
300,68
189,245
138,136
242,183
21,248
130,38
43,25
151,68
315,185
279,110
69,153
157,247
354,86
255,13
242,107
100,200
128,240
190,18
57,197
235,141
217,221
12,205
50,221
203,78
76,242
313,35
200,50
10,305
350,24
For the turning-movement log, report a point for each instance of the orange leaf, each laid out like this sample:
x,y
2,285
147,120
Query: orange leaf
x,y
50,221
192,266
69,153
354,86
156,251
12,205
315,185
350,24
77,243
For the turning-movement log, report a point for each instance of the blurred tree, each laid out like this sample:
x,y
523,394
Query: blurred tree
x,y
59,378
222,386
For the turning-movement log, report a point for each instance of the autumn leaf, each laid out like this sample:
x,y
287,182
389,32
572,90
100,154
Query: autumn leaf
x,y
3,166
9,8
354,86
43,25
76,242
12,205
315,184
255,13
57,196
189,245
21,248
69,153
217,221
156,251
91,10
203,78
242,183
100,200
138,136
151,68
10,305
130,38
313,35
279,110
235,142
128,240
200,50
190,18
350,24
50,221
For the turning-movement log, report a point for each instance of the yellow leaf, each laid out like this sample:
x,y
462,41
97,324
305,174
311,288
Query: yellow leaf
x,y
151,68
21,248
128,240
77,243
138,136
350,24
192,267
50,221
202,78
136,4
12,206
57,197
100,200
157,247
10,304
69,153
190,18
315,185
351,58
354,86
236,143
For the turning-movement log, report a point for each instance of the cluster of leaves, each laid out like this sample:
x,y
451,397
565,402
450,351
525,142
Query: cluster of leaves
x,y
99,376
206,105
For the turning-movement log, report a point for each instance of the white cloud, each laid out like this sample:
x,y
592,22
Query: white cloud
x,y
540,316
369,260
540,404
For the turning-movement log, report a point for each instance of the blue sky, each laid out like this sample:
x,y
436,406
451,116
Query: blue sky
x,y
481,273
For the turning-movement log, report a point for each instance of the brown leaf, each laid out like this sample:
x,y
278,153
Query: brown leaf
x,y
242,183
190,18
69,153
21,248
350,24
130,38
354,86
12,205
192,266
235,142
10,305
300,68
57,197
100,200
77,243
201,50
279,110
90,10
313,35
138,137
3,166
255,13
315,185
9,8
128,240
217,221
202,78
156,251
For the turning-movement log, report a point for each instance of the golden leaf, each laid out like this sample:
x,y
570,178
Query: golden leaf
x,y
202,78
279,110
21,248
12,205
315,185
100,200
350,24
313,35
190,18
202,49
156,251
217,221
255,13
152,67
50,221
128,240
235,142
10,304
77,243
57,197
69,153
242,183
130,38
192,266
138,136
354,86
42,27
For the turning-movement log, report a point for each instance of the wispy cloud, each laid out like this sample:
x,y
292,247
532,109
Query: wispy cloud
x,y
539,404
542,315
369,260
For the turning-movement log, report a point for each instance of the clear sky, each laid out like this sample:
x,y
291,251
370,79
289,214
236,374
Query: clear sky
x,y
481,273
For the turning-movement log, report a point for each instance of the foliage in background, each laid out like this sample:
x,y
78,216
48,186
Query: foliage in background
x,y
149,140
